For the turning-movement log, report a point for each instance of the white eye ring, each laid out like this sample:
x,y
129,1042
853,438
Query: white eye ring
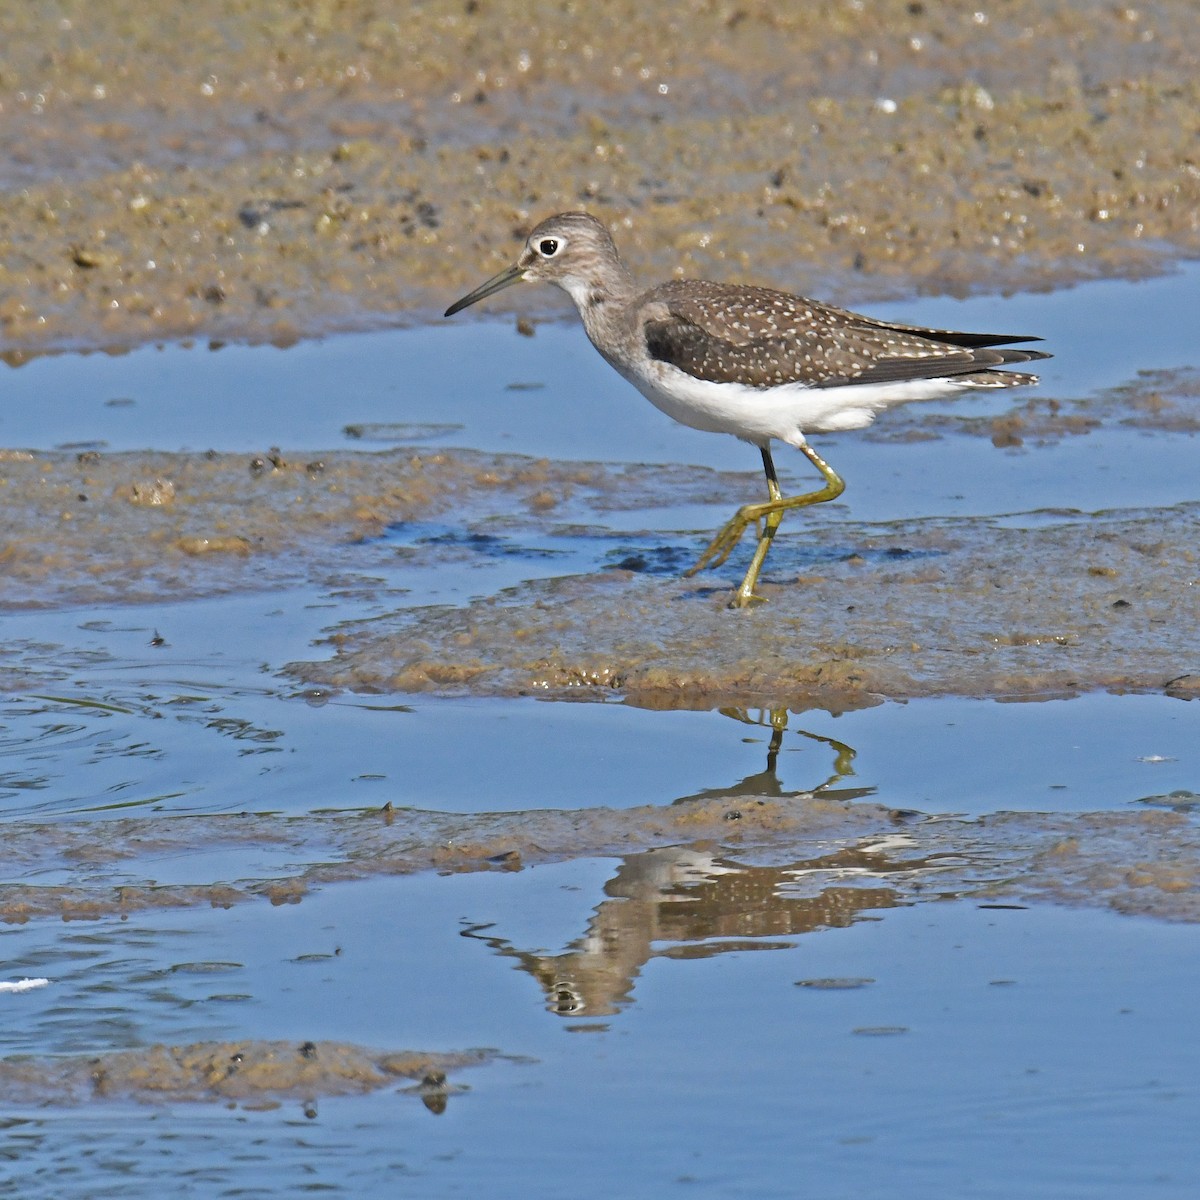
x,y
548,247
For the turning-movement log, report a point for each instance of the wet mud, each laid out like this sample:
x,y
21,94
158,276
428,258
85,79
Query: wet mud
x,y
90,527
926,608
245,171
840,856
856,613
1165,401
251,1074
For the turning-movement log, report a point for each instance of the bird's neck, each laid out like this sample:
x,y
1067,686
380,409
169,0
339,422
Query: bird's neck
x,y
603,304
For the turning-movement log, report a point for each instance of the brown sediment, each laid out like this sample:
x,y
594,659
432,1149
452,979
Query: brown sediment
x,y
927,608
1076,602
89,527
251,1073
1145,862
1161,400
235,169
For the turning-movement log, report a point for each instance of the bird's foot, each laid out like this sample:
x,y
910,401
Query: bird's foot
x,y
720,548
746,598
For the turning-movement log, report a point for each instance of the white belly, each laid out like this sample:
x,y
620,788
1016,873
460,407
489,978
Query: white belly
x,y
785,413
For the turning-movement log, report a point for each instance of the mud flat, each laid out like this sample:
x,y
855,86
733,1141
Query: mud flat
x,y
926,609
242,170
1072,602
89,528
250,1074
1145,862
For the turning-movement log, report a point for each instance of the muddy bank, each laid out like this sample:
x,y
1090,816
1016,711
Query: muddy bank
x,y
1156,400
927,608
252,1074
90,528
813,861
856,613
250,171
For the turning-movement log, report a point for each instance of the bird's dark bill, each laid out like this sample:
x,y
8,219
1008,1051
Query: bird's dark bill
x,y
497,283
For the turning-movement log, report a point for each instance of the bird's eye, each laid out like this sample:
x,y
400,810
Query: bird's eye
x,y
548,247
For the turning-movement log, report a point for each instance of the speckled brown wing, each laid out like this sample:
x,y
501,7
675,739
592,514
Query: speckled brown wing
x,y
764,338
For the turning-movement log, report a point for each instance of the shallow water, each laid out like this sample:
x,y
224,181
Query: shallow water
x,y
481,384
189,728
986,1053
1003,1045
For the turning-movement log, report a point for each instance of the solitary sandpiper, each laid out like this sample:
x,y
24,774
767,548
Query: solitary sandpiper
x,y
752,361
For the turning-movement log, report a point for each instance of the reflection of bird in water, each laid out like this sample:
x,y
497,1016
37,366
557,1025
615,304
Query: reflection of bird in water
x,y
699,904
766,782
696,901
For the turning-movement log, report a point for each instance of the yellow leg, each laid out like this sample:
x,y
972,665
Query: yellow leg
x,y
770,514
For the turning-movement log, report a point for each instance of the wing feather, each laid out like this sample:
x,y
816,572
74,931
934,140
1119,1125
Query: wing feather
x,y
763,338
